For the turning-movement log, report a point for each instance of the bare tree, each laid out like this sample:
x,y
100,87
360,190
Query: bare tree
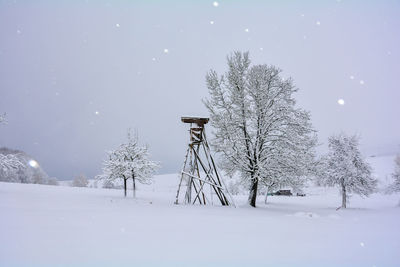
x,y
258,129
344,166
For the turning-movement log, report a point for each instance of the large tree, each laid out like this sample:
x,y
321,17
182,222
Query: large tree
x,y
129,161
345,167
259,131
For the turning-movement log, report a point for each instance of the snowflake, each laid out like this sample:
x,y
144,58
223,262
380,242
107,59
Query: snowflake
x,y
351,77
216,4
117,25
362,82
341,102
318,23
166,51
96,112
246,30
212,22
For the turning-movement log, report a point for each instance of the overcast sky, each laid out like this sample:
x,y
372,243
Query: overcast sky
x,y
74,75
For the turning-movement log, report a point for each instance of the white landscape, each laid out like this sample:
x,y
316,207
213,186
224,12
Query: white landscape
x,y
45,225
287,110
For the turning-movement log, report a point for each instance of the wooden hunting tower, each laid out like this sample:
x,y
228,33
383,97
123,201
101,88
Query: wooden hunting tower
x,y
199,174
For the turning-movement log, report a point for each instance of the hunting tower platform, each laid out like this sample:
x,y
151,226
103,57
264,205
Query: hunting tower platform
x,y
199,176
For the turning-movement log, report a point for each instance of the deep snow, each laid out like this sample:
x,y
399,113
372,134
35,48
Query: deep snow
x,y
50,225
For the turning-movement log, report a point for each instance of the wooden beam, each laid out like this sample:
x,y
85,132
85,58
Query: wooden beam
x,y
197,120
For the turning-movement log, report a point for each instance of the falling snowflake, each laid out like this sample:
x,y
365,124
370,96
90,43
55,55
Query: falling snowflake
x,y
246,30
304,37
341,102
166,51
212,22
154,59
351,77
302,15
362,244
261,49
117,25
18,32
216,4
318,23
96,112
361,82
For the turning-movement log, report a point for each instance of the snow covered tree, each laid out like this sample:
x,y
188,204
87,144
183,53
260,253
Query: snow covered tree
x,y
9,165
80,181
129,161
108,184
395,186
52,181
259,131
344,166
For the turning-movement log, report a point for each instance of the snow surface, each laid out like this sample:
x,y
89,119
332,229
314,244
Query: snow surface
x,y
60,225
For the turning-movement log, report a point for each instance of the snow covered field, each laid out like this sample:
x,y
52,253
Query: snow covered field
x,y
57,225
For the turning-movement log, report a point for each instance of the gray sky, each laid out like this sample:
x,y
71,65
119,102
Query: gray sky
x,y
62,62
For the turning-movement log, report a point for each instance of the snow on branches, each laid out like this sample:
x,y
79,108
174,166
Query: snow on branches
x,y
9,165
395,186
129,161
344,166
258,129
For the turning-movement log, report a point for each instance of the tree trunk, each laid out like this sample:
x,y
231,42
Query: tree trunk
x,y
125,186
266,195
344,197
134,186
253,192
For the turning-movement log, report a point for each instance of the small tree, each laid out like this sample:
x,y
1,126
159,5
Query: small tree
x,y
108,184
129,161
344,166
52,181
395,186
80,181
